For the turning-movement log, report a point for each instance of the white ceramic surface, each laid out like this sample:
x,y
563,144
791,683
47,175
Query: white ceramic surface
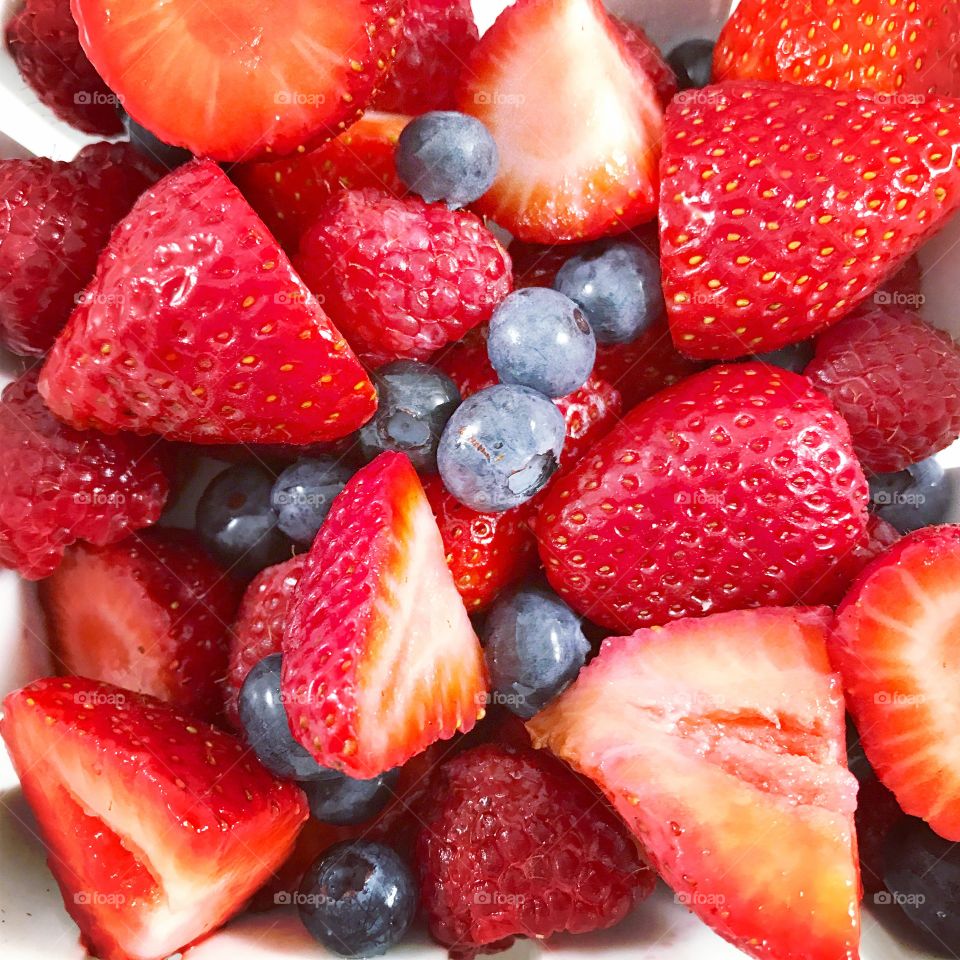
x,y
33,924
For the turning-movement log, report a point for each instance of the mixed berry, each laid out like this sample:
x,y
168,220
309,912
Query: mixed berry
x,y
471,477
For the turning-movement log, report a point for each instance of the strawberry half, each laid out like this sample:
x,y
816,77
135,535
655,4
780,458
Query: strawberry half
x,y
578,146
241,79
196,327
379,657
783,207
158,828
894,644
721,743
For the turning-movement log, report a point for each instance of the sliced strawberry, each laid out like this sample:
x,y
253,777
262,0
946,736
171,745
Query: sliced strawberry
x,y
578,146
197,328
721,743
783,207
895,646
158,828
240,80
379,658
648,54
150,614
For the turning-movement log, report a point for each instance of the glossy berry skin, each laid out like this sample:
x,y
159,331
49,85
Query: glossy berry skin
x,y
415,401
896,381
266,728
162,154
402,278
737,487
692,62
539,338
344,801
500,447
515,844
358,899
59,485
57,219
534,646
448,157
302,494
920,496
237,523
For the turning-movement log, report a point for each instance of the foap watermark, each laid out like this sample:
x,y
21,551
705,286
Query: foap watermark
x,y
501,698
99,698
498,899
97,98
695,898
897,498
700,498
897,99
96,898
94,298
299,98
894,698
99,498
898,298
498,98
885,898
290,297
297,898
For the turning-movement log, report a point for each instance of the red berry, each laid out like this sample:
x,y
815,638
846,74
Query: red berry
x,y
58,485
402,278
649,56
878,538
896,380
57,218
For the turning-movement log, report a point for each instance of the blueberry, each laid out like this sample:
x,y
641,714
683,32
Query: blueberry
x,y
237,523
540,339
302,495
617,285
794,357
692,62
534,647
153,147
501,447
913,498
343,801
447,156
267,729
358,899
415,401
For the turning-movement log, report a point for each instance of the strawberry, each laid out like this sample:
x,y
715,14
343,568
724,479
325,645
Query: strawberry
x,y
196,327
721,743
150,614
880,536
646,52
783,207
903,50
379,658
238,81
578,146
289,193
892,643
158,828
735,488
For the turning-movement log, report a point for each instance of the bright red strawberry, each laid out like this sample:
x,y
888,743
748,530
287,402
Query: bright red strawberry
x,y
43,42
578,147
650,58
59,485
903,50
721,743
735,488
896,380
288,194
240,81
197,328
893,645
513,843
258,629
159,828
151,614
402,278
379,658
57,218
436,39
783,207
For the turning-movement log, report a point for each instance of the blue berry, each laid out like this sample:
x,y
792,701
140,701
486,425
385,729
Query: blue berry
x,y
500,447
237,523
358,899
794,358
540,339
267,729
152,147
343,801
415,401
302,495
692,62
617,285
913,498
534,646
448,157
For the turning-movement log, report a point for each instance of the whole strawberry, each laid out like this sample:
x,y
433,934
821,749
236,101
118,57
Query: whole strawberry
x,y
57,218
402,278
738,487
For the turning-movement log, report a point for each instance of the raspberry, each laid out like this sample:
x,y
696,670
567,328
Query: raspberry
x,y
516,844
401,278
895,380
58,485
